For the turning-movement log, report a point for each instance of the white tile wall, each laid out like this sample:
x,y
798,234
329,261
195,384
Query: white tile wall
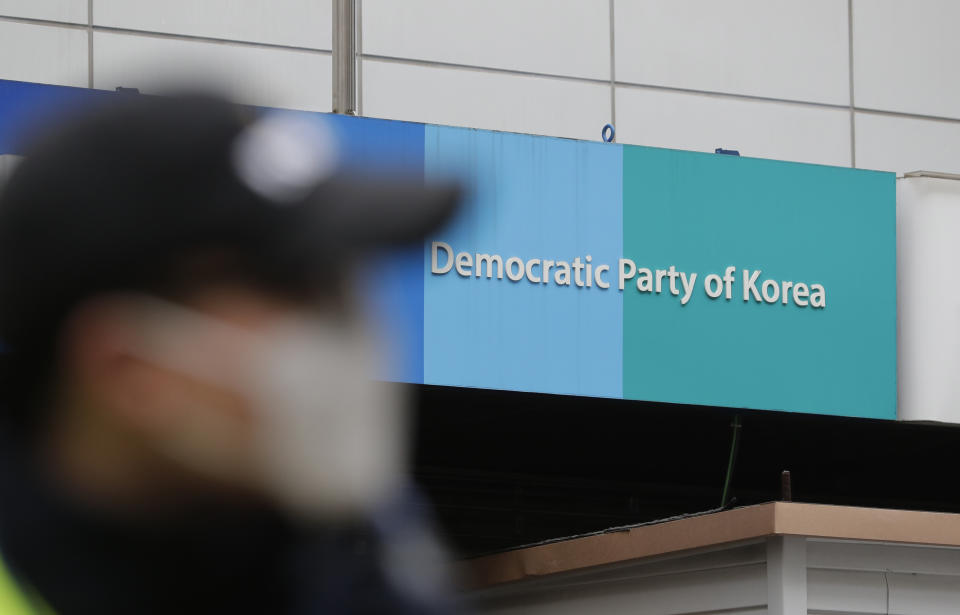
x,y
254,75
480,99
890,143
561,37
907,56
300,23
773,48
44,54
73,11
907,59
761,129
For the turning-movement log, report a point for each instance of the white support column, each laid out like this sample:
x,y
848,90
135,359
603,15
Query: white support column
x,y
787,575
928,299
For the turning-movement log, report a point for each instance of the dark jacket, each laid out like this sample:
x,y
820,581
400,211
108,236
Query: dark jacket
x,y
212,560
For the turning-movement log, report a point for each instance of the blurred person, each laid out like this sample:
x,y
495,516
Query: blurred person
x,y
189,419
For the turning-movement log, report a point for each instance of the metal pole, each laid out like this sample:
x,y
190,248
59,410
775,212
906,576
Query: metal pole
x,y
345,57
786,487
732,462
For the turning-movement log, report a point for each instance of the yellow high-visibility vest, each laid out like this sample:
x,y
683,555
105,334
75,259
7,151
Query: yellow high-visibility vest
x,y
15,599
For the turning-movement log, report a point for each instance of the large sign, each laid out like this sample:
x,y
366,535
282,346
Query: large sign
x,y
643,273
631,272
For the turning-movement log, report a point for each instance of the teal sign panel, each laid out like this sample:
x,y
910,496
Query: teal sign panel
x,y
776,224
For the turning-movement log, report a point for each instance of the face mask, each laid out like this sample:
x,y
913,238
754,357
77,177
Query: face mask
x,y
328,441
333,440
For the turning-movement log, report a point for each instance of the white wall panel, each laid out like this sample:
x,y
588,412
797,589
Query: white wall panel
x,y
923,594
771,48
562,37
901,144
761,129
300,23
73,11
845,591
479,99
261,76
829,576
45,54
907,56
739,589
894,557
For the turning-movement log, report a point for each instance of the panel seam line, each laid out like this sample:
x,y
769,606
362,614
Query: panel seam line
x,y
166,35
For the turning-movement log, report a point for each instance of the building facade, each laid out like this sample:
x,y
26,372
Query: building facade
x,y
508,460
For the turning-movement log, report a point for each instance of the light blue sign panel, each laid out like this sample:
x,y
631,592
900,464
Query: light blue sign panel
x,y
533,197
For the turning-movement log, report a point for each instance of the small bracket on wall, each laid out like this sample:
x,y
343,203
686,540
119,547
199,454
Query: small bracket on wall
x,y
608,133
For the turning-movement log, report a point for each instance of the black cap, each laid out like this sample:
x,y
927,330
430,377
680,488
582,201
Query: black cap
x,y
124,190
